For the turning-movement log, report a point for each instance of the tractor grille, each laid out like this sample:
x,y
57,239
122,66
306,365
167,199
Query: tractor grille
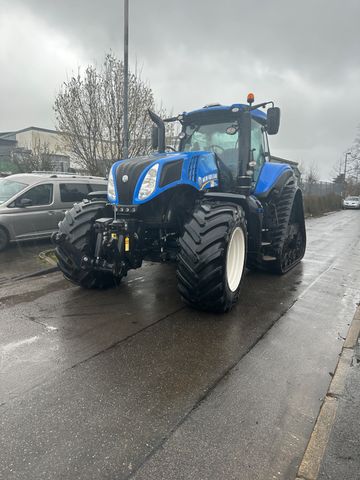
x,y
192,169
133,169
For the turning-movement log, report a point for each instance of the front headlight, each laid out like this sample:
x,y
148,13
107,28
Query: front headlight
x,y
111,187
149,183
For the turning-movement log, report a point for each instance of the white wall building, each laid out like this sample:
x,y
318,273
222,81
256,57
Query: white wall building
x,y
36,139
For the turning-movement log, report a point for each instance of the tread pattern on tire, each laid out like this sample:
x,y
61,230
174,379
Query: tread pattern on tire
x,y
77,226
279,224
202,256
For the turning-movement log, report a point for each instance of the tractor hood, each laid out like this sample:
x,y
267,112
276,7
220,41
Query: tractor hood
x,y
140,179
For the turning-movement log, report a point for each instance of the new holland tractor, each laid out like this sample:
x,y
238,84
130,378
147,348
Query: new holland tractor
x,y
213,207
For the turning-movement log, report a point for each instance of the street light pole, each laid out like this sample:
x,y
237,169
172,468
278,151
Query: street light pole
x,y
345,167
126,79
346,155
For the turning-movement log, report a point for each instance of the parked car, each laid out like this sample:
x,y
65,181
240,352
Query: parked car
x,y
32,204
352,202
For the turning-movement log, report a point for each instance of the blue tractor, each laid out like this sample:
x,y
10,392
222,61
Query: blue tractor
x,y
213,207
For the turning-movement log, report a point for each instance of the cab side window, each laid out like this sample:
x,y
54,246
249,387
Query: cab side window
x,y
257,145
73,192
39,195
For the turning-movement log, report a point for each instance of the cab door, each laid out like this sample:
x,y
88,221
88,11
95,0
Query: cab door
x,y
257,147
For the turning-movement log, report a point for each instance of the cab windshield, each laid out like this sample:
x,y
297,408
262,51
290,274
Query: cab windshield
x,y
223,139
214,138
210,137
9,188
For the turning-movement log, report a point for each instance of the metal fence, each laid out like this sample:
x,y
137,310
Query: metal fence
x,y
322,188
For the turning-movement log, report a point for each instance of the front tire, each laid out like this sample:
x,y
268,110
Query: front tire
x,y
212,257
78,239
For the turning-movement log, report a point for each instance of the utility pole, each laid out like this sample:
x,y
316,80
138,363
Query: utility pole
x,y
126,79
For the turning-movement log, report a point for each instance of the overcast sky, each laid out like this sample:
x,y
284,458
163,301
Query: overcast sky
x,y
303,55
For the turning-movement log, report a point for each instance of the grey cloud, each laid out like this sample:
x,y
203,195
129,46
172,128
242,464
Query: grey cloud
x,y
303,54
318,38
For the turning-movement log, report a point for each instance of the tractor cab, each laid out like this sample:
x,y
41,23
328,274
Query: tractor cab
x,y
235,134
216,129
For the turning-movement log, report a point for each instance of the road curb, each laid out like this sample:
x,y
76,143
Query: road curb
x,y
310,464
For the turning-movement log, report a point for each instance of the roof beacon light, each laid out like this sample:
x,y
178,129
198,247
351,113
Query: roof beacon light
x,y
250,98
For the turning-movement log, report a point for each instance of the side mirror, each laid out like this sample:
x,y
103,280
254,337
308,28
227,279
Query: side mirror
x,y
23,202
273,120
154,137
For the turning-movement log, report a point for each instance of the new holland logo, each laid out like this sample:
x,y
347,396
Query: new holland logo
x,y
125,178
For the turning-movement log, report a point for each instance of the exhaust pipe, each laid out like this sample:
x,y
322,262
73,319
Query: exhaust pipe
x,y
161,131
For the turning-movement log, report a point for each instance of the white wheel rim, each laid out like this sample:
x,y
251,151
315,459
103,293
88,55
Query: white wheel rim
x,y
235,259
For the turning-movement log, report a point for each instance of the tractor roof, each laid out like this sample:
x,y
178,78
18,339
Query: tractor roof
x,y
217,108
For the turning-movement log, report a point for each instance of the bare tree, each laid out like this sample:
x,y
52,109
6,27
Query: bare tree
x,y
337,168
311,177
353,167
89,112
312,174
39,158
349,166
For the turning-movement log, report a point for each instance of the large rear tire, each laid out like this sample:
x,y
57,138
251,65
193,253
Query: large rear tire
x,y
77,228
212,257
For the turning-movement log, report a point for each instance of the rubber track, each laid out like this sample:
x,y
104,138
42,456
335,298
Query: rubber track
x,y
283,213
279,230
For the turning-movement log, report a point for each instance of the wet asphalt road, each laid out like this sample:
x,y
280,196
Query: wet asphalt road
x,y
21,259
130,383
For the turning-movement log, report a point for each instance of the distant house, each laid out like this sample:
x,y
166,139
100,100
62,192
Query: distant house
x,y
28,140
